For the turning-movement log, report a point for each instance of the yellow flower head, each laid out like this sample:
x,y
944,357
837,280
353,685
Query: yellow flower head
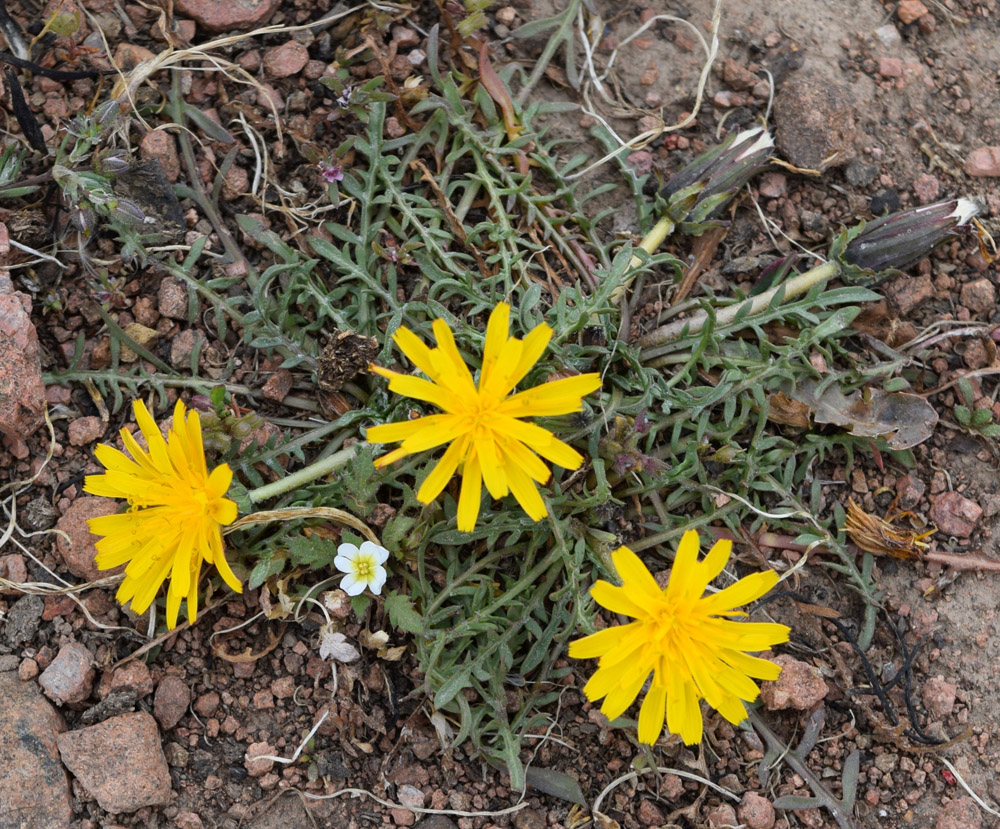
x,y
176,511
683,639
482,422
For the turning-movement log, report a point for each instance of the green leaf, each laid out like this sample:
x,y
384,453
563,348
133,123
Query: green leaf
x,y
555,784
310,551
403,614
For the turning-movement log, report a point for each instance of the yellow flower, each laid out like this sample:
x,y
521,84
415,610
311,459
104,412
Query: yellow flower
x,y
482,422
682,639
176,511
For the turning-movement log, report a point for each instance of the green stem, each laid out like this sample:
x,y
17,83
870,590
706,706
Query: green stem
x,y
306,475
692,325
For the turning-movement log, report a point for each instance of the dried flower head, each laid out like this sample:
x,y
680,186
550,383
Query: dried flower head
x,y
482,422
683,638
177,509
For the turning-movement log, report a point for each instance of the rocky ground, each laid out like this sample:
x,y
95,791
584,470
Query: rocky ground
x,y
896,104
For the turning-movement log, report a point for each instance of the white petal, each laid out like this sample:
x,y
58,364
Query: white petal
x,y
345,549
375,585
344,563
352,585
965,209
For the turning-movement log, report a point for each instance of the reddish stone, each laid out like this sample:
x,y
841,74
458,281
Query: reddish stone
x,y
34,787
77,547
171,701
938,697
70,677
954,514
22,393
286,60
119,762
983,162
215,16
160,145
85,430
800,686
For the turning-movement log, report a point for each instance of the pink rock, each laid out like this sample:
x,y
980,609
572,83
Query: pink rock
x,y
283,687
256,764
278,385
235,183
926,188
983,162
77,548
773,185
183,345
132,676
403,817
939,697
954,514
22,393
171,701
890,67
979,296
70,676
756,812
119,762
34,787
721,817
85,430
961,813
207,704
800,686
160,146
216,16
671,786
650,814
13,568
907,293
172,300
407,38
737,76
910,10
641,162
130,55
188,820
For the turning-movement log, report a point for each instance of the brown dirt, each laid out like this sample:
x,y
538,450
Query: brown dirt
x,y
898,136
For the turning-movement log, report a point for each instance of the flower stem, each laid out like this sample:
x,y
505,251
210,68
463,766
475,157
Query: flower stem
x,y
692,325
306,475
650,242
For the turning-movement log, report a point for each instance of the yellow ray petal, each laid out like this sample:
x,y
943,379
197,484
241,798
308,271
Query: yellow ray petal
x,y
555,398
652,714
442,471
526,492
600,643
470,495
497,329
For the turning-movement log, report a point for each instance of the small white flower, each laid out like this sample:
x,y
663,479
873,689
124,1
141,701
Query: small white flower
x,y
363,566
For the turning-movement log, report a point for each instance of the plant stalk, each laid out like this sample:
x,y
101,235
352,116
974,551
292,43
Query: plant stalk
x,y
796,286
307,474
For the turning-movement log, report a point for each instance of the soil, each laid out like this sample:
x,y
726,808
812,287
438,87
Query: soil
x,y
892,102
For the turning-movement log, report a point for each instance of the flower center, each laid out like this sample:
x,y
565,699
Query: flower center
x,y
364,568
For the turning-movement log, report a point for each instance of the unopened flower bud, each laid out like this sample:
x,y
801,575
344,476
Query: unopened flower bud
x,y
112,163
85,220
128,211
902,238
700,191
106,114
